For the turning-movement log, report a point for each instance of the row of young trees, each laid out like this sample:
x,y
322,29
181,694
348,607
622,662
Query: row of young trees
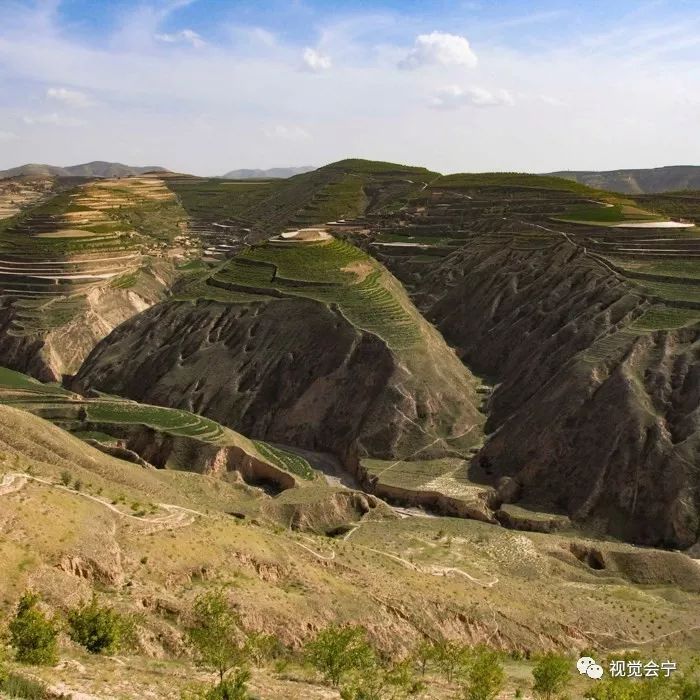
x,y
345,658
342,655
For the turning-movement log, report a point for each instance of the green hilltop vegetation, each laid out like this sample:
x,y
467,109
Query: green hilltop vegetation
x,y
544,182
105,418
341,190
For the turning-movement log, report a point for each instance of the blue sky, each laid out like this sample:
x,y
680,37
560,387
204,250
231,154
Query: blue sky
x,y
206,86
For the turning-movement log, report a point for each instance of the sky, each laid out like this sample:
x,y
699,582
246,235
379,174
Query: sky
x,y
207,86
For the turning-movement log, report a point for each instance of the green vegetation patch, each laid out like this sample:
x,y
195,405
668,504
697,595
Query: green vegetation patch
x,y
168,420
283,459
9,379
546,182
666,318
601,214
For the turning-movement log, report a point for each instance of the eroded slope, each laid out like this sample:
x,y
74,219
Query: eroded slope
x,y
317,346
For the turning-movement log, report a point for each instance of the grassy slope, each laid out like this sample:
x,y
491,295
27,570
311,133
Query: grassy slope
x,y
402,579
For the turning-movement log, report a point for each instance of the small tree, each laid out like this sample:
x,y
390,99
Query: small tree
x,y
32,634
425,653
233,687
216,634
99,629
552,674
485,676
336,651
452,658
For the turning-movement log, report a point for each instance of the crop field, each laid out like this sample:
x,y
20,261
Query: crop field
x,y
512,180
83,238
285,460
666,318
601,214
217,200
447,476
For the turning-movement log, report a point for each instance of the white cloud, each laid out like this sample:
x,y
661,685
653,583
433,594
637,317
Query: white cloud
x,y
454,97
315,61
185,36
7,136
288,133
72,98
552,101
53,119
439,48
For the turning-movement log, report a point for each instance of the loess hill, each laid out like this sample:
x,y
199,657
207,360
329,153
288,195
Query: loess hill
x,y
308,342
252,383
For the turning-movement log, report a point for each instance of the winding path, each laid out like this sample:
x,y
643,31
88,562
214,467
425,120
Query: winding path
x,y
177,516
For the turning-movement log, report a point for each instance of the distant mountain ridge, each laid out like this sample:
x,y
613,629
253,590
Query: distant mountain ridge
x,y
96,168
254,173
670,178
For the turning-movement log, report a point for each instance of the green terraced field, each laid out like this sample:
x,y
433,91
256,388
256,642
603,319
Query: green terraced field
x,y
672,268
94,418
315,270
601,215
286,460
216,200
9,379
167,420
467,180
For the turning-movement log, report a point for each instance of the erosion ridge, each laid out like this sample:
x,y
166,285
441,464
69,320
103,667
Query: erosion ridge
x,y
593,414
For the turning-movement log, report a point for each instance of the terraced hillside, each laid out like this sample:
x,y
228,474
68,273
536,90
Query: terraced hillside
x,y
80,262
153,436
672,178
309,343
582,309
257,209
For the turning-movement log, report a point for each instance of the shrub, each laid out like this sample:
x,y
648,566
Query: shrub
x,y
336,651
551,673
425,653
379,683
33,635
260,647
66,478
99,629
485,676
233,687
